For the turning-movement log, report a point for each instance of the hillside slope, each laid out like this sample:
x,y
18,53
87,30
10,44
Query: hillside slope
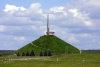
x,y
49,43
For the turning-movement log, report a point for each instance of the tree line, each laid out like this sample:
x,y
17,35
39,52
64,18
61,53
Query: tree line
x,y
46,53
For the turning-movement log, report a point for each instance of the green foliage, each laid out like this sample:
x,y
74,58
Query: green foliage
x,y
90,51
32,53
41,53
0,55
45,53
49,53
49,43
27,54
23,54
18,54
7,52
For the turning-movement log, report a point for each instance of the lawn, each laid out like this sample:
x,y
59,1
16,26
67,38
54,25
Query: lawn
x,y
75,60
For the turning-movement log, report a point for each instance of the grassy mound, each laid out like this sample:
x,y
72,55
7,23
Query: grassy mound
x,y
49,43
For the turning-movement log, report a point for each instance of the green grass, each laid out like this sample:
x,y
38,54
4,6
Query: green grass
x,y
75,60
49,43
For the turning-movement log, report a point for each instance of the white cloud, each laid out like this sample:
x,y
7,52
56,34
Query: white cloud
x,y
35,5
22,38
59,9
2,28
57,12
72,39
94,2
81,16
86,35
13,8
74,11
35,8
88,23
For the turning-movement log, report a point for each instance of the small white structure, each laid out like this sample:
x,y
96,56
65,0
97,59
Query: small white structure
x,y
50,33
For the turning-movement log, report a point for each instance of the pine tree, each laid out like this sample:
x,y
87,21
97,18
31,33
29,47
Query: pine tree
x,y
49,53
32,53
27,54
23,54
69,52
41,53
0,55
18,54
45,53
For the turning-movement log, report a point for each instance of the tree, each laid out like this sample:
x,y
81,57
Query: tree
x,y
49,53
18,54
23,54
32,53
69,52
0,55
45,53
41,53
27,54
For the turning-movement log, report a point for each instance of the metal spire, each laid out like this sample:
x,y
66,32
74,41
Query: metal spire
x,y
48,24
48,29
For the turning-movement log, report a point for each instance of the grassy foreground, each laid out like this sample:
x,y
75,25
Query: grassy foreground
x,y
76,60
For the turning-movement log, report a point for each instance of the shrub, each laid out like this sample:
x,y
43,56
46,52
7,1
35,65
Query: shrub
x,y
49,53
18,54
45,53
23,54
27,54
32,53
41,53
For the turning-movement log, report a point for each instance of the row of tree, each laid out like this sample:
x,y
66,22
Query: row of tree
x,y
33,54
45,53
26,54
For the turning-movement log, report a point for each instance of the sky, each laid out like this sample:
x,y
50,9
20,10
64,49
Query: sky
x,y
26,3
74,21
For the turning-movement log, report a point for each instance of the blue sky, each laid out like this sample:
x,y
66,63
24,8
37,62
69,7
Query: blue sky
x,y
74,21
45,3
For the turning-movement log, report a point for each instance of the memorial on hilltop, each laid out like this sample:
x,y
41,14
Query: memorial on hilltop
x,y
47,45
48,32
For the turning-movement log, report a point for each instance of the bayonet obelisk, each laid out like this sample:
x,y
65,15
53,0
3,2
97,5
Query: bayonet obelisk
x,y
48,29
48,24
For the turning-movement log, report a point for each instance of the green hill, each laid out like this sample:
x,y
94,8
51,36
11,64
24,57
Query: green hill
x,y
49,43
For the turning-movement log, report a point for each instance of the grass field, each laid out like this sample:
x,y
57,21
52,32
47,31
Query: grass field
x,y
75,60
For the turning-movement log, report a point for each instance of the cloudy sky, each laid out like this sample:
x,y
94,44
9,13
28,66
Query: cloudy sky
x,y
74,21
